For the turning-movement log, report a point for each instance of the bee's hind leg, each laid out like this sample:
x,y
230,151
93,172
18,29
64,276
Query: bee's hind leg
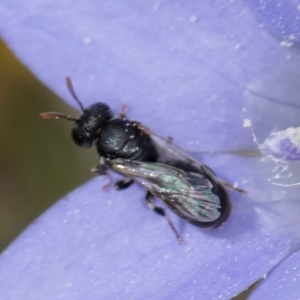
x,y
161,212
209,171
232,187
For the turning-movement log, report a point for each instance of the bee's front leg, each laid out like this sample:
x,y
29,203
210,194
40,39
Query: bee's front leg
x,y
101,170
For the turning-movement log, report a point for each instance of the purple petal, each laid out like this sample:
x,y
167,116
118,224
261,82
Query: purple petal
x,y
283,282
193,70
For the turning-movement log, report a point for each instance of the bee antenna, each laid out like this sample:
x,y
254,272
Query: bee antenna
x,y
72,92
56,115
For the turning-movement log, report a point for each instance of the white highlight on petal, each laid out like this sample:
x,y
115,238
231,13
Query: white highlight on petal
x,y
247,123
291,133
283,149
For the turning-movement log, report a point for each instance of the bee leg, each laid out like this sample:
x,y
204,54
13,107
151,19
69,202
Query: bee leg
x,y
122,113
161,212
228,185
169,138
123,184
101,170
208,170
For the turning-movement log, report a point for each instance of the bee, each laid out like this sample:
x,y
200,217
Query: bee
x,y
189,188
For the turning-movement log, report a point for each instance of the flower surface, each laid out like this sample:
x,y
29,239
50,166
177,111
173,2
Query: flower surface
x,y
195,70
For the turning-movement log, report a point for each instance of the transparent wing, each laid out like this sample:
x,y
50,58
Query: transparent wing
x,y
171,154
168,152
200,204
188,194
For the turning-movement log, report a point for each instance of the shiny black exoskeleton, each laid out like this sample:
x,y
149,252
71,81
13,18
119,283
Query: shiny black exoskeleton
x,y
123,145
114,137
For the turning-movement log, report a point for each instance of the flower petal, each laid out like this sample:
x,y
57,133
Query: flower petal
x,y
199,69
193,56
282,283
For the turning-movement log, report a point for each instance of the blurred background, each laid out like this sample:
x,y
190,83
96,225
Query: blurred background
x,y
39,163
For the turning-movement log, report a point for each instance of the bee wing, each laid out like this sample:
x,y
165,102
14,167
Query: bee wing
x,y
188,194
198,203
170,154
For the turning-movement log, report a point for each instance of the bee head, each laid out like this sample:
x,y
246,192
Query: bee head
x,y
89,123
86,127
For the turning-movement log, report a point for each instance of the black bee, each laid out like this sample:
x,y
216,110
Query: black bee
x,y
190,189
